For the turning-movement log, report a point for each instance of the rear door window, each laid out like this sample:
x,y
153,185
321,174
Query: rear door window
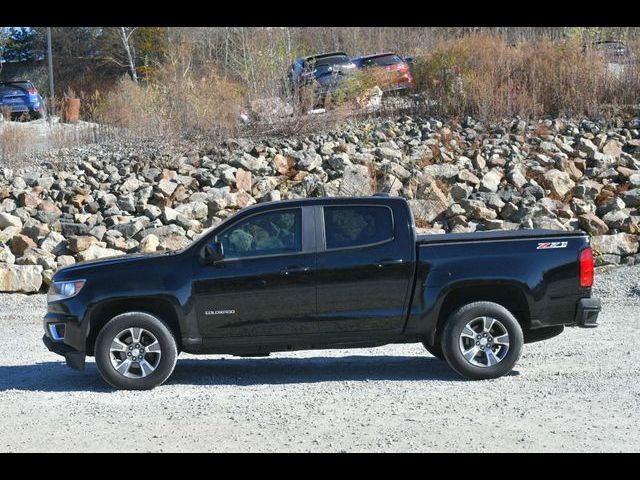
x,y
353,226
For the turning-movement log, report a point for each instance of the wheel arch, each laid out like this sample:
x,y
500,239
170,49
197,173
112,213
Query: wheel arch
x,y
104,311
508,294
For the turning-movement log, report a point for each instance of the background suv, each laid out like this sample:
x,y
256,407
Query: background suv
x,y
391,62
20,98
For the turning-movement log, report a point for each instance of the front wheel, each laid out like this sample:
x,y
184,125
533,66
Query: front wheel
x,y
135,351
482,340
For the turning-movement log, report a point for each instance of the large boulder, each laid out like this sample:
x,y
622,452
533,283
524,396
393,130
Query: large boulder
x,y
558,182
19,243
431,206
356,181
592,224
20,278
619,244
95,252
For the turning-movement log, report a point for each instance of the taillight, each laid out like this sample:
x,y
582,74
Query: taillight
x,y
33,91
586,267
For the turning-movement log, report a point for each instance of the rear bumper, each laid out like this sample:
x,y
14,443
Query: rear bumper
x,y
587,312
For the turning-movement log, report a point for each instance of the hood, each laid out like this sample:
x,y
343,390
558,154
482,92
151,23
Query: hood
x,y
112,261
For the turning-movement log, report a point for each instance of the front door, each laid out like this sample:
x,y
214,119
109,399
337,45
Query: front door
x,y
265,285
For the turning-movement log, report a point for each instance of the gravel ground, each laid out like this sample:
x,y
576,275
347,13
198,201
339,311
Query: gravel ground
x,y
577,392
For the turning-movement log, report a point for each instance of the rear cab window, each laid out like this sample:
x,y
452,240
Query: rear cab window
x,y
383,61
357,225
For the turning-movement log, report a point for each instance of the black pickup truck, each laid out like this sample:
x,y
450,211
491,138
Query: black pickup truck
x,y
323,273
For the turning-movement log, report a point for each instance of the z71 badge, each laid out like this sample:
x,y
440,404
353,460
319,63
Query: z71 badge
x,y
545,245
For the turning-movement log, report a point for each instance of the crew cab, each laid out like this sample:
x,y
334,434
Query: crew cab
x,y
323,273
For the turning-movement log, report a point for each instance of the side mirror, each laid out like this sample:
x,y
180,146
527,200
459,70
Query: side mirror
x,y
213,252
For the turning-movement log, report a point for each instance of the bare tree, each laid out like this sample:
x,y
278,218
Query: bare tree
x,y
125,34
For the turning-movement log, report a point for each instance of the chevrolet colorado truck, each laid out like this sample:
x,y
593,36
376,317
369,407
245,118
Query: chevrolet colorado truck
x,y
323,273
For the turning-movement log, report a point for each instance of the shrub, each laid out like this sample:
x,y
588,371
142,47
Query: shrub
x,y
179,99
487,77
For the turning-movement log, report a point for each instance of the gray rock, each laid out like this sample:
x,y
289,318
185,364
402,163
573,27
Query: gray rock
x,y
615,219
166,187
54,243
491,181
444,171
460,191
149,243
129,229
547,223
587,190
478,210
5,254
356,181
70,229
432,206
558,182
389,153
631,198
339,161
65,260
309,162
8,220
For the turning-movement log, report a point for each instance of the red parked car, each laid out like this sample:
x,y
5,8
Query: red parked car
x,y
389,61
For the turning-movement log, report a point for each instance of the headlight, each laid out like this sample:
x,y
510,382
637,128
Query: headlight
x,y
62,290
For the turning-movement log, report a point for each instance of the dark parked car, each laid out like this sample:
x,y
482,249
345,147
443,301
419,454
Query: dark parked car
x,y
325,71
20,98
391,62
613,51
323,273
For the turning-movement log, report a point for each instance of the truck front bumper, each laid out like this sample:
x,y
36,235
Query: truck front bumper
x,y
587,312
73,357
62,335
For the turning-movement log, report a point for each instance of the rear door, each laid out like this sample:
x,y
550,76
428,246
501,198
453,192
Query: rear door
x,y
364,268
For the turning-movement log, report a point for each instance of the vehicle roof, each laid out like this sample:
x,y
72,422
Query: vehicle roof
x,y
299,202
323,55
8,82
375,55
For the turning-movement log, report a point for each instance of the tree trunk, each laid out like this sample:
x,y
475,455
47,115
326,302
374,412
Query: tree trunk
x,y
130,51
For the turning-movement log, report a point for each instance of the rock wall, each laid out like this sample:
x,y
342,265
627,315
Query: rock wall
x,y
104,200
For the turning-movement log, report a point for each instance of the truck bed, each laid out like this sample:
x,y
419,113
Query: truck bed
x,y
496,235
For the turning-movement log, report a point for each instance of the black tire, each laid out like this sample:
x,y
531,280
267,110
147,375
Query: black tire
x,y
435,350
158,329
451,341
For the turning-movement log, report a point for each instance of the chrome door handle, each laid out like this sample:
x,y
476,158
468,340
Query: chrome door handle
x,y
289,270
389,262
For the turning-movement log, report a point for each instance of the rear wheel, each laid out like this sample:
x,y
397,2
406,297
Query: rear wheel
x,y
482,340
135,351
